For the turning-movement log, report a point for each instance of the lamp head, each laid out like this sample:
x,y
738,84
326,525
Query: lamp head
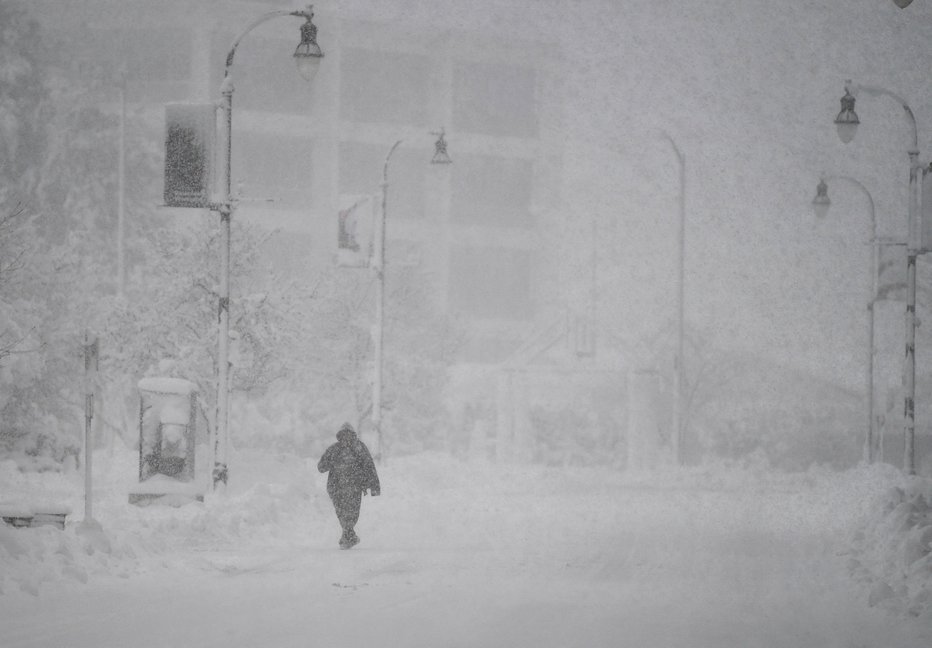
x,y
821,203
847,120
902,4
307,54
440,150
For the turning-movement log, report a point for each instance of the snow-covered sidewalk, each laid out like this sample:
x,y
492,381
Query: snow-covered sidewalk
x,y
457,554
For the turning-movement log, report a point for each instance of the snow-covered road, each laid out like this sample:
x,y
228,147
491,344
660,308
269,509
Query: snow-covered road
x,y
529,558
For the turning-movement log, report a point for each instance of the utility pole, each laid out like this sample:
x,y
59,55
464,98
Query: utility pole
x,y
677,434
91,354
379,334
121,191
847,123
307,57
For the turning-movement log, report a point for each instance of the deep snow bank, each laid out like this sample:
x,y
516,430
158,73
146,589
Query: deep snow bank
x,y
879,518
272,500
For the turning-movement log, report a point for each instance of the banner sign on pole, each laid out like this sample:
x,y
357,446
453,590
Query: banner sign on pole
x,y
355,223
891,272
925,213
91,355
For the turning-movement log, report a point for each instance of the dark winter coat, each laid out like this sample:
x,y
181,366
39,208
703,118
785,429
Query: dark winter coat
x,y
350,465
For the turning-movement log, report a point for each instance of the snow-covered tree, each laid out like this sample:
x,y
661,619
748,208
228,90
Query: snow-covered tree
x,y
292,338
14,253
60,151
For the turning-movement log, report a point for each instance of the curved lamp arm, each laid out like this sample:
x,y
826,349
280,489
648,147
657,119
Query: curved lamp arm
x,y
875,91
306,14
388,157
870,200
869,441
676,149
380,233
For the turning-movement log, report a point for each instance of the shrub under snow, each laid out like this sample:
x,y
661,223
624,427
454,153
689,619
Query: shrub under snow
x,y
891,551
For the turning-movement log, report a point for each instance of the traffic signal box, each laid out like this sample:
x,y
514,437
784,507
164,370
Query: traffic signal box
x,y
190,143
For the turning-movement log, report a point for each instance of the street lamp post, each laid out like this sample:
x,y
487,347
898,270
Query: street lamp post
x,y
307,57
847,122
821,204
440,157
121,190
677,436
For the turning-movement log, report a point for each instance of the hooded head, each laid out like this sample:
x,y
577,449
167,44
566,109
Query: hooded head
x,y
346,433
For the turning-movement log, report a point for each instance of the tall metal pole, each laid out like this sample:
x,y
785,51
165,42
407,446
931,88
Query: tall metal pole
x,y
379,267
870,441
590,341
222,442
91,354
677,435
912,250
121,191
909,373
225,207
870,449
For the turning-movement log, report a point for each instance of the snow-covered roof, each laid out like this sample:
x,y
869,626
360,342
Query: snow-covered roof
x,y
168,385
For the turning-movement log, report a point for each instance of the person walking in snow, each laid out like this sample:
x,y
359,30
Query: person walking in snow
x,y
352,472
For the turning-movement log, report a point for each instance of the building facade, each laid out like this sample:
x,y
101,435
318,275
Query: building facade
x,y
302,150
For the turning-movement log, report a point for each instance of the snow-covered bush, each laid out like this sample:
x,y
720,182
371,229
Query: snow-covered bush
x,y
789,438
892,548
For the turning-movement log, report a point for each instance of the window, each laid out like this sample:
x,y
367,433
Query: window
x,y
494,100
383,87
491,282
273,167
491,190
361,173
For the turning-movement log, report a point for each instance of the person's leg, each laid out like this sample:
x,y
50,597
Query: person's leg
x,y
338,508
347,503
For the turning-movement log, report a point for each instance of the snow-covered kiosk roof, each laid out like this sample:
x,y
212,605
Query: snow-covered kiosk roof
x,y
178,386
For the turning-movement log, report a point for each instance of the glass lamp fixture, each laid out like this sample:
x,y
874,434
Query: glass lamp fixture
x,y
821,203
847,120
307,54
440,150
902,4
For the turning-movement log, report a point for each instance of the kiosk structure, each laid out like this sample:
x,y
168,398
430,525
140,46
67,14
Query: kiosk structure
x,y
167,443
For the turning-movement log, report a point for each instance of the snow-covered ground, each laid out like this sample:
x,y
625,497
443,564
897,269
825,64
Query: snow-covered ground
x,y
475,554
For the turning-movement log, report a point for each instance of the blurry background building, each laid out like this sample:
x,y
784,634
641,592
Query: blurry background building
x,y
299,148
